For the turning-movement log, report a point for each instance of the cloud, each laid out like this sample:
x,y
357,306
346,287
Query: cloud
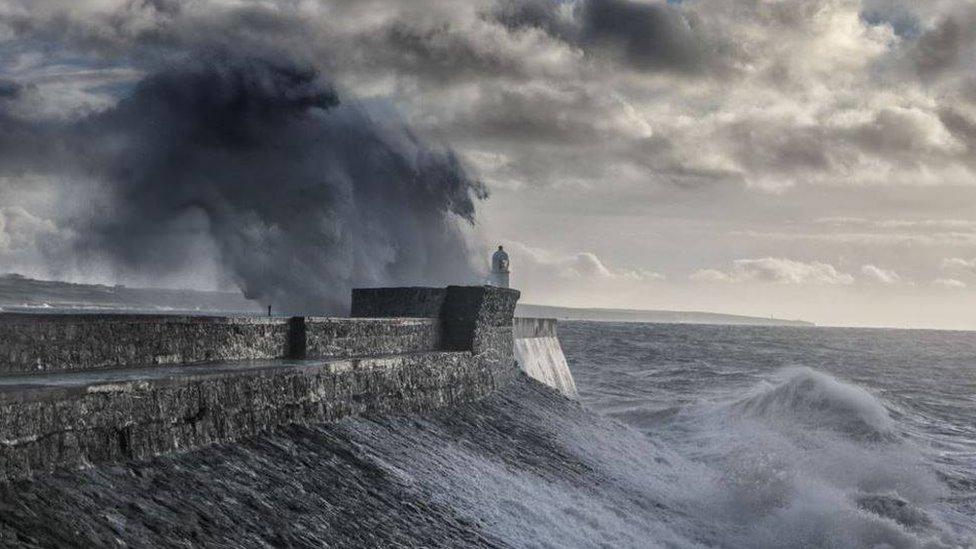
x,y
949,283
770,94
958,264
648,36
687,128
9,89
645,36
776,270
948,43
710,275
941,224
585,267
879,275
955,238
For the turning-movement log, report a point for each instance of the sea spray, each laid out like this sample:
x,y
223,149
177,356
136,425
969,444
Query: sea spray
x,y
768,454
255,163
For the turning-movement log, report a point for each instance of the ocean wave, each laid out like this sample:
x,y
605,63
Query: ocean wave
x,y
804,397
803,459
780,456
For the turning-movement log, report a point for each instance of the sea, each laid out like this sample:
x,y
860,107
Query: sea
x,y
796,436
681,436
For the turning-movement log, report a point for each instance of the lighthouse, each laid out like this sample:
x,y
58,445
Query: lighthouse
x,y
499,269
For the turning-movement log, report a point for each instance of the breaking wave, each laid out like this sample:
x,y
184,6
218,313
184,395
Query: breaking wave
x,y
816,400
806,460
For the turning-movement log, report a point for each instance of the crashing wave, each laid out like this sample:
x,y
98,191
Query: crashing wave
x,y
816,400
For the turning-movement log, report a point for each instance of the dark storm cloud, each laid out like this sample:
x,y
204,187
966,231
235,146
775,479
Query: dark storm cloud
x,y
962,128
939,48
948,44
540,14
303,197
9,89
650,36
645,36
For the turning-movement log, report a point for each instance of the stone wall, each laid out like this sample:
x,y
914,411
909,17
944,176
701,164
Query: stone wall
x,y
40,431
78,342
46,343
397,302
349,337
474,318
75,418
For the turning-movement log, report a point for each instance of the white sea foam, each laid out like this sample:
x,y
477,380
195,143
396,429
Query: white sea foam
x,y
796,457
803,460
745,472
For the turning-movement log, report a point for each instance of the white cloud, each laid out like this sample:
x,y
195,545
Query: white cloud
x,y
537,263
588,266
710,275
944,224
777,270
577,278
949,283
869,238
958,264
879,275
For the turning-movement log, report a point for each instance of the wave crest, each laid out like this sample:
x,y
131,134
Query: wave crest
x,y
817,401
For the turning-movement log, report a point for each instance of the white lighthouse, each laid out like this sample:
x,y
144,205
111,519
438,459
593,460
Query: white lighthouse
x,y
499,269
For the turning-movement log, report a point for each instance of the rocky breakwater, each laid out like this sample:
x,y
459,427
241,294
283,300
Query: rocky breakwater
x,y
117,387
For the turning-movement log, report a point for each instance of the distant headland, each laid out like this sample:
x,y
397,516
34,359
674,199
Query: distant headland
x,y
18,292
654,316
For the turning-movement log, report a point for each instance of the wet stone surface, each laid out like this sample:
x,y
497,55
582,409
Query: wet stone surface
x,y
362,482
44,343
48,426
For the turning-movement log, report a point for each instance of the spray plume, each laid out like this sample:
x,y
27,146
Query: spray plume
x,y
302,196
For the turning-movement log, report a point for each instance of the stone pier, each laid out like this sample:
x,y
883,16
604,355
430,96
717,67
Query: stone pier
x,y
84,389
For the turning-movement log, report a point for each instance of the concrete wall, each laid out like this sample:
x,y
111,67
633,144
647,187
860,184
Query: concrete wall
x,y
75,418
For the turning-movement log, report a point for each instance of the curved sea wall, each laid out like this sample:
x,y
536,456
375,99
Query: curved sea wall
x,y
538,353
520,467
84,389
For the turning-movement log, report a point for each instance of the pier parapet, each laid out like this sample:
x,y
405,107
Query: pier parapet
x,y
472,318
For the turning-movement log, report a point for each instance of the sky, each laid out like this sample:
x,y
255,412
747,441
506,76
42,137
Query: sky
x,y
804,159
